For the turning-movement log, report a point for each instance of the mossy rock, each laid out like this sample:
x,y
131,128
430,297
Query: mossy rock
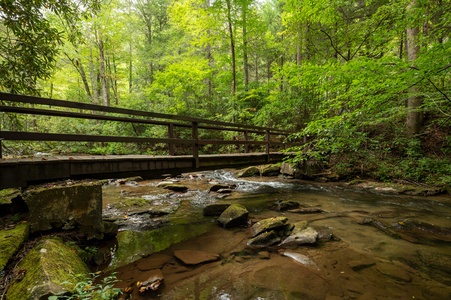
x,y
66,207
248,172
7,194
132,245
131,202
234,215
176,187
10,242
267,225
270,170
50,268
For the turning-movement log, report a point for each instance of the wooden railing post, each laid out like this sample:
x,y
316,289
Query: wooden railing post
x,y
195,135
1,153
171,136
246,138
267,145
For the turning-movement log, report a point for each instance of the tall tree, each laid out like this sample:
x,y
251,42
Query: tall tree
x,y
29,43
414,102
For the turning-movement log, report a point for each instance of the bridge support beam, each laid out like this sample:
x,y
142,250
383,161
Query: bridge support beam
x,y
195,135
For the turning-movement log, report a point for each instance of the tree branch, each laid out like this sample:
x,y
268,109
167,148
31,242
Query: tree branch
x,y
438,90
332,44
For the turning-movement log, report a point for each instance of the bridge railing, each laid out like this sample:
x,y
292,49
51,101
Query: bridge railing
x,y
30,105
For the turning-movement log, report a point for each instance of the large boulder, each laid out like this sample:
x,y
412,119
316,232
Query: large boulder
x,y
76,206
10,242
309,169
234,215
50,268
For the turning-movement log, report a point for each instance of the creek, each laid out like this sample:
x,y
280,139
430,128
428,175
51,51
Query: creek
x,y
373,246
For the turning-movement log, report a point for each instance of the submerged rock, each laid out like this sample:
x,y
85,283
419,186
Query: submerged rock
x,y
306,210
300,258
193,257
10,242
215,209
50,268
267,224
358,265
436,265
412,231
285,205
234,215
176,187
394,272
421,232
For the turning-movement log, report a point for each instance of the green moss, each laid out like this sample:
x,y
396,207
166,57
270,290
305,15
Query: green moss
x,y
50,267
7,194
134,245
10,242
132,202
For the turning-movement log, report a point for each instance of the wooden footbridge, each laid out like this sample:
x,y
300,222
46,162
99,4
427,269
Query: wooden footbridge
x,y
245,144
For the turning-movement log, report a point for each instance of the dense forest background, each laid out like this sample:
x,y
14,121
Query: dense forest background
x,y
367,82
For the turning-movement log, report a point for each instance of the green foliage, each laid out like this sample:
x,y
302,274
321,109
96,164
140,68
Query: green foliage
x,y
29,43
89,288
336,71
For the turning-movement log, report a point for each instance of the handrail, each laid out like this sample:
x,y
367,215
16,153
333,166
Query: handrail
x,y
126,111
98,112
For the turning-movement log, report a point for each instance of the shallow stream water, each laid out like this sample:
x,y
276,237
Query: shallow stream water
x,y
359,261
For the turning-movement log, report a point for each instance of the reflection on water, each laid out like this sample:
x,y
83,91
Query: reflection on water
x,y
372,255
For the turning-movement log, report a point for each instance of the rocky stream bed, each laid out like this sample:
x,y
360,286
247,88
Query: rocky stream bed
x,y
216,235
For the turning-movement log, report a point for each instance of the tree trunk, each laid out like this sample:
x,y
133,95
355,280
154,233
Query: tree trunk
x,y
245,45
93,75
102,72
232,46
414,120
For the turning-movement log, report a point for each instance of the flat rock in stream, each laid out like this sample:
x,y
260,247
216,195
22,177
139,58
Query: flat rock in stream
x,y
306,210
421,232
193,257
412,231
267,225
264,240
436,265
284,205
301,236
155,261
360,264
394,272
217,187
176,187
